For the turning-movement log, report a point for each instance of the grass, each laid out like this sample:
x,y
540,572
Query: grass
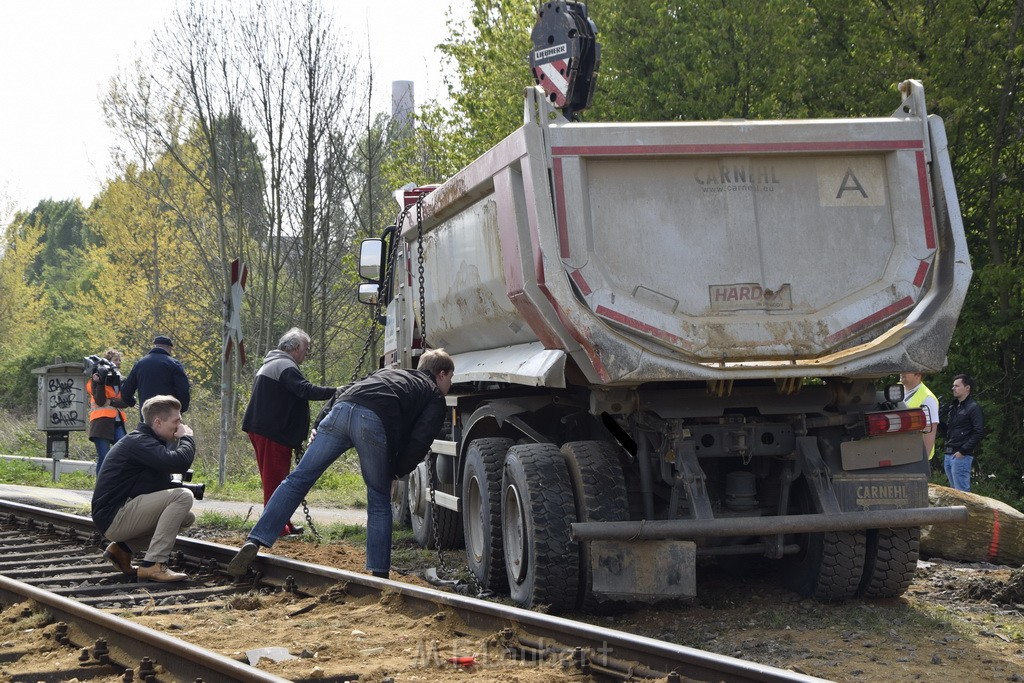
x,y
341,486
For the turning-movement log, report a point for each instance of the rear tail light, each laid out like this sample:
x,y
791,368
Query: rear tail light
x,y
895,421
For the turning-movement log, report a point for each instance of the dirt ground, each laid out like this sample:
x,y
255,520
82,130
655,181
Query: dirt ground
x,y
957,621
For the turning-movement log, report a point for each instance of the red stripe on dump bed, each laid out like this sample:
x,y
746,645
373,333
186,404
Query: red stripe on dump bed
x,y
926,202
922,270
738,148
581,282
643,327
877,316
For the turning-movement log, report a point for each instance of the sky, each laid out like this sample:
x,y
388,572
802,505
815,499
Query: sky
x,y
57,58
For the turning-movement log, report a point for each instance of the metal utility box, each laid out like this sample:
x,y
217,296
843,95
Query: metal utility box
x,y
61,403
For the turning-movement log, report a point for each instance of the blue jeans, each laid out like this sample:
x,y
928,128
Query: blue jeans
x,y
958,471
347,426
103,445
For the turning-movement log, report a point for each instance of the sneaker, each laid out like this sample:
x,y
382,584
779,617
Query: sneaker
x,y
160,572
241,562
121,559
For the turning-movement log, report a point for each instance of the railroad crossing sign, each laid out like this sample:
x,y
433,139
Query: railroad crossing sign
x,y
233,329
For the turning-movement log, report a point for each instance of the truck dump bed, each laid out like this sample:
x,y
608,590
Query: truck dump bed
x,y
718,250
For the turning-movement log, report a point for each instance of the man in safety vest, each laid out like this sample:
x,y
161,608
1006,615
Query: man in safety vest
x,y
106,419
917,395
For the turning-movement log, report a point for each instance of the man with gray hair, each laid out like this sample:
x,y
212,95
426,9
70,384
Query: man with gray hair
x,y
277,416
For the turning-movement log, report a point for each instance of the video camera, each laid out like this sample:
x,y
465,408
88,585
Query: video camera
x,y
197,489
107,372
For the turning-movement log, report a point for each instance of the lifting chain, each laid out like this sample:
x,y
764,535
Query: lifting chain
x,y
431,482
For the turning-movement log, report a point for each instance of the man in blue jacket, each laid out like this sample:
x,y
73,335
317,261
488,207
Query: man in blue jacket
x,y
135,503
390,418
277,417
157,373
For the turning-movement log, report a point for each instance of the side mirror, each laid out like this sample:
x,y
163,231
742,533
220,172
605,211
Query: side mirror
x,y
370,252
369,293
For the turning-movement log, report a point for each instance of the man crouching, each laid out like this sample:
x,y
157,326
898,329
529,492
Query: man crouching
x,y
135,504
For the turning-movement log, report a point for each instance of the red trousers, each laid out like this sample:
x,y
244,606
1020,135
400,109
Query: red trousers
x,y
274,461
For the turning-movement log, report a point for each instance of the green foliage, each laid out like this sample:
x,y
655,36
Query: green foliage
x,y
67,336
64,233
24,473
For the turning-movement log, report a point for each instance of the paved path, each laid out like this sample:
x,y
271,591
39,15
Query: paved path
x,y
78,502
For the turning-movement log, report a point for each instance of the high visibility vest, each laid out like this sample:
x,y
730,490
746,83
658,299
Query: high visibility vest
x,y
916,400
96,412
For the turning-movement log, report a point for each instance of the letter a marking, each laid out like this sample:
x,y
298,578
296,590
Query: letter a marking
x,y
850,182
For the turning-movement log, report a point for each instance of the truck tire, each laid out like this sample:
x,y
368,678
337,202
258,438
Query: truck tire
x,y
829,565
481,513
400,504
890,562
449,525
537,507
599,487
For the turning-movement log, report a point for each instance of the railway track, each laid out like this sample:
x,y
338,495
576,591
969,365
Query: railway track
x,y
53,575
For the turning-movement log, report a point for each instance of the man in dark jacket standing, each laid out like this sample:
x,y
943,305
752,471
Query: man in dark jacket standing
x,y
964,429
277,416
135,504
157,374
390,418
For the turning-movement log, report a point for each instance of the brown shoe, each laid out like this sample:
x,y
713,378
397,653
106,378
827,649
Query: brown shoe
x,y
160,572
121,559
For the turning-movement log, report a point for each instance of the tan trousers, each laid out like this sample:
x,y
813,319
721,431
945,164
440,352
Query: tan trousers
x,y
153,521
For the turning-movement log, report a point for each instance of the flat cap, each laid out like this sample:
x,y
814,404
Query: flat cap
x,y
161,340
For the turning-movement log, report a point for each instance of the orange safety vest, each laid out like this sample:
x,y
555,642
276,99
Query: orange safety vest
x,y
96,412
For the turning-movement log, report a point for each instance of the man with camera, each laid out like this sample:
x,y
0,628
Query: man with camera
x,y
158,373
136,503
106,419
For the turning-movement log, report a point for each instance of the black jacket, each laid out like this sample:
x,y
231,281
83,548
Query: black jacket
x,y
279,406
157,374
137,464
409,404
964,427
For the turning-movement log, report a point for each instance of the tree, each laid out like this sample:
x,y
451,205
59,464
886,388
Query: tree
x,y
21,305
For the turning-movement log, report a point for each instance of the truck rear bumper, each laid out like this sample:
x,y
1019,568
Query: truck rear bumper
x,y
685,529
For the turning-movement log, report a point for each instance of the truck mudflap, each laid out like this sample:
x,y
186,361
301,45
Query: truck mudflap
x,y
687,529
880,491
648,571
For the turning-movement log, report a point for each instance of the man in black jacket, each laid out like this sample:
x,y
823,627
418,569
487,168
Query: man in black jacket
x,y
135,504
964,429
277,416
390,418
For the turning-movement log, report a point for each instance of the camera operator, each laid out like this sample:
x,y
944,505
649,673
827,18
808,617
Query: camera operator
x,y
106,418
136,504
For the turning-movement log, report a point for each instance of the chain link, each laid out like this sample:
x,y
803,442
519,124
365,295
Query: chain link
x,y
432,462
432,484
419,259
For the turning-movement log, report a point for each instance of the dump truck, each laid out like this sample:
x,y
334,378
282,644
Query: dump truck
x,y
670,344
